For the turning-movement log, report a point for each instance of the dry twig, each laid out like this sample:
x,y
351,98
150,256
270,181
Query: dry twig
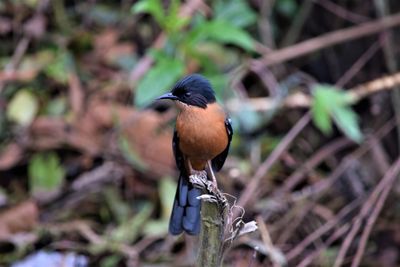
x,y
302,100
376,199
329,39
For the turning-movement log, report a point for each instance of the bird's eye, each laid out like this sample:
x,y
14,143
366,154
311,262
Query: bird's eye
x,y
187,94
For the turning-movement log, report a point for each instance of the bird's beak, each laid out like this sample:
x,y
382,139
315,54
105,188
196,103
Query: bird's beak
x,y
167,96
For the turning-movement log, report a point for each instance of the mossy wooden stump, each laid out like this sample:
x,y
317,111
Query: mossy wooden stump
x,y
211,235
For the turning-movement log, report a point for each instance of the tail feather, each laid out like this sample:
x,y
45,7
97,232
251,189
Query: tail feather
x,y
185,214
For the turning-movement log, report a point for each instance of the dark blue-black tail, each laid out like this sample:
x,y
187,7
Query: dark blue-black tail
x,y
185,214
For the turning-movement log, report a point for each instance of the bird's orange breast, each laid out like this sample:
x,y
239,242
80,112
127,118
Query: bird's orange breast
x,y
202,133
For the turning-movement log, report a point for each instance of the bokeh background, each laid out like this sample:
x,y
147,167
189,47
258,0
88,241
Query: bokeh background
x,y
87,176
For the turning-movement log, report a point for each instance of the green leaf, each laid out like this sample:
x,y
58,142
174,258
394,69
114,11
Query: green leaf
x,y
132,228
160,227
329,95
325,99
152,7
214,57
60,67
119,208
320,114
158,80
165,187
237,13
156,228
331,102
111,261
174,22
224,32
347,120
57,106
45,172
23,107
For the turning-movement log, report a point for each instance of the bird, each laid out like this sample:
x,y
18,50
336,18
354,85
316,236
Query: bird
x,y
201,141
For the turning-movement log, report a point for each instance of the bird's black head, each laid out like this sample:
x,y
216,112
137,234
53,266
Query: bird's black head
x,y
193,90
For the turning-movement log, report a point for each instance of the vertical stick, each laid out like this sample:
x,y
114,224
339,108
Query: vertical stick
x,y
211,235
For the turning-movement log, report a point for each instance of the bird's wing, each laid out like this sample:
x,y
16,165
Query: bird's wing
x,y
180,162
219,160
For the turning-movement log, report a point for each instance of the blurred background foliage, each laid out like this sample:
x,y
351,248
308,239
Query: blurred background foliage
x,y
87,176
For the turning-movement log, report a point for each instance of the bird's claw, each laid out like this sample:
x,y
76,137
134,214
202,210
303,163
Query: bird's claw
x,y
208,198
199,179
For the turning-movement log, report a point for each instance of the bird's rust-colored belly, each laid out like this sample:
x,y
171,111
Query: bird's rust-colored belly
x,y
202,135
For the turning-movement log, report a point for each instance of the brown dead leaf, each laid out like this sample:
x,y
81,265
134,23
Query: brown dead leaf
x,y
152,140
51,133
105,114
105,40
89,133
144,130
47,133
108,49
19,218
10,156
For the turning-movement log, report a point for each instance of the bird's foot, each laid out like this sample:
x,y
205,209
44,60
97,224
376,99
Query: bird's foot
x,y
199,179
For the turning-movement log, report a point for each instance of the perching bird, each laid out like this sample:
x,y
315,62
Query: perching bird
x,y
201,142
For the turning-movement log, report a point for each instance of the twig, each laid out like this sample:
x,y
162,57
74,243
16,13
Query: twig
x,y
323,185
264,23
297,24
357,66
310,164
250,191
295,178
84,229
302,100
385,83
379,156
387,179
370,223
275,255
341,12
338,233
296,251
329,39
382,8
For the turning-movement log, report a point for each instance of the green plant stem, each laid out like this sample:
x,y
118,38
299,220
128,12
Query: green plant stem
x,y
211,236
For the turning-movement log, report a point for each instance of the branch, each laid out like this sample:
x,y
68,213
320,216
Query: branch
x,y
377,196
329,39
302,100
251,191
